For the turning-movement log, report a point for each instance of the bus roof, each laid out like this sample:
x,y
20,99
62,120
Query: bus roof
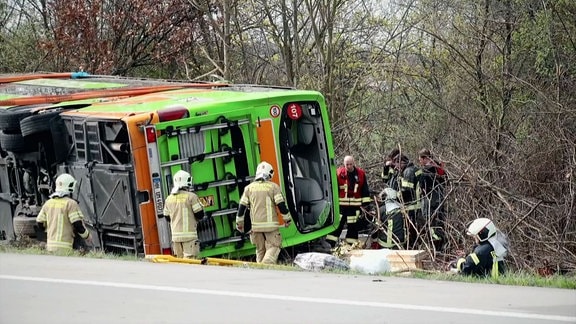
x,y
197,102
105,95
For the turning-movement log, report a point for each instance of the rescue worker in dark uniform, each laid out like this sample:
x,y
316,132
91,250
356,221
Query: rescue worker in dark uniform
x,y
407,183
432,182
487,259
262,197
354,193
388,171
392,233
183,210
61,217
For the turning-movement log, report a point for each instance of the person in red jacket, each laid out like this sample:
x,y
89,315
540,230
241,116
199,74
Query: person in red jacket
x,y
354,193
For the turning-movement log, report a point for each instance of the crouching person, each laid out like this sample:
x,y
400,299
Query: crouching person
x,y
61,217
392,233
487,259
262,197
183,210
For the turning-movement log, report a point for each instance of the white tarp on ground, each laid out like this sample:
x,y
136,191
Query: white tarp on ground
x,y
370,261
315,261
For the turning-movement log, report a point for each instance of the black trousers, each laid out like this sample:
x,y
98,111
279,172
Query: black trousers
x,y
353,228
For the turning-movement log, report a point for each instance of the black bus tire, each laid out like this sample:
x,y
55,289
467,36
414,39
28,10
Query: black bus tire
x,y
10,118
15,143
38,123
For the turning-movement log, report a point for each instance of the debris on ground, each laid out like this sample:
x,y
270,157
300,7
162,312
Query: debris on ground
x,y
314,261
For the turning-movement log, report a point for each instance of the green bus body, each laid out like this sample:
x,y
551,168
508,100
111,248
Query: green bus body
x,y
123,149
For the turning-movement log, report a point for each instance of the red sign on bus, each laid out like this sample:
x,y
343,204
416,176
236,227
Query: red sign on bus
x,y
294,111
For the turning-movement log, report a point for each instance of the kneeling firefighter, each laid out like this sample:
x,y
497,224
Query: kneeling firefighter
x,y
487,259
392,233
261,197
61,217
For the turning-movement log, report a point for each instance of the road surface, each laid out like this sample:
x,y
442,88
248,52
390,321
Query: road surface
x,y
51,289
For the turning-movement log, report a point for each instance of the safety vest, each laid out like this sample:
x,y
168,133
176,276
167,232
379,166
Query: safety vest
x,y
351,195
262,197
58,214
181,208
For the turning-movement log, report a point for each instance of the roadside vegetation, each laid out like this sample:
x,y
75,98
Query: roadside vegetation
x,y
488,86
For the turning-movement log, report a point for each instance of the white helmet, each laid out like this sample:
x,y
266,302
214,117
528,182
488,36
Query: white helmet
x,y
181,179
482,228
264,171
390,194
65,184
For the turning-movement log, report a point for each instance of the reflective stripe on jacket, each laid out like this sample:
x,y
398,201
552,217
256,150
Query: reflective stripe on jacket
x,y
393,232
58,215
261,197
181,207
351,194
481,262
410,187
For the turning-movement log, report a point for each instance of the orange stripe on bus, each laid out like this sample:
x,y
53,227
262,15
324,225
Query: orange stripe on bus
x,y
268,152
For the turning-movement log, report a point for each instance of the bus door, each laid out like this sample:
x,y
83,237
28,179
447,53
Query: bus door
x,y
307,156
215,153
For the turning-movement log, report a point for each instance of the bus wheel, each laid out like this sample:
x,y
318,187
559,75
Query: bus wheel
x,y
10,118
24,226
15,143
38,123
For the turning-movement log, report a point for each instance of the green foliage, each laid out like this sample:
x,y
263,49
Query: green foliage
x,y
487,85
18,49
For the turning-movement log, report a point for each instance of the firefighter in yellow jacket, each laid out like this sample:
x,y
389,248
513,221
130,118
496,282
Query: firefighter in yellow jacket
x,y
183,210
261,197
61,217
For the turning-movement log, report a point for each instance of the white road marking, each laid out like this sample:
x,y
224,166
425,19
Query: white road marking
x,y
466,311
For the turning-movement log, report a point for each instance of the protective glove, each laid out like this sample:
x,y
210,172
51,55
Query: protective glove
x,y
89,240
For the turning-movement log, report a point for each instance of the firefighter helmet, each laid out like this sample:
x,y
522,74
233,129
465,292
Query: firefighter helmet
x,y
390,194
65,184
482,228
181,179
264,171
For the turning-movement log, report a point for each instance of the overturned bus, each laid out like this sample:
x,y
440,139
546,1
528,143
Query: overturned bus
x,y
123,138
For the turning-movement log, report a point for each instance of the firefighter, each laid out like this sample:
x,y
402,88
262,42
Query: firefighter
x,y
491,248
432,182
61,217
183,210
354,193
262,197
392,234
388,171
407,183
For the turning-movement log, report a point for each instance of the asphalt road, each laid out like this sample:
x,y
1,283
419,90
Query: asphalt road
x,y
51,289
